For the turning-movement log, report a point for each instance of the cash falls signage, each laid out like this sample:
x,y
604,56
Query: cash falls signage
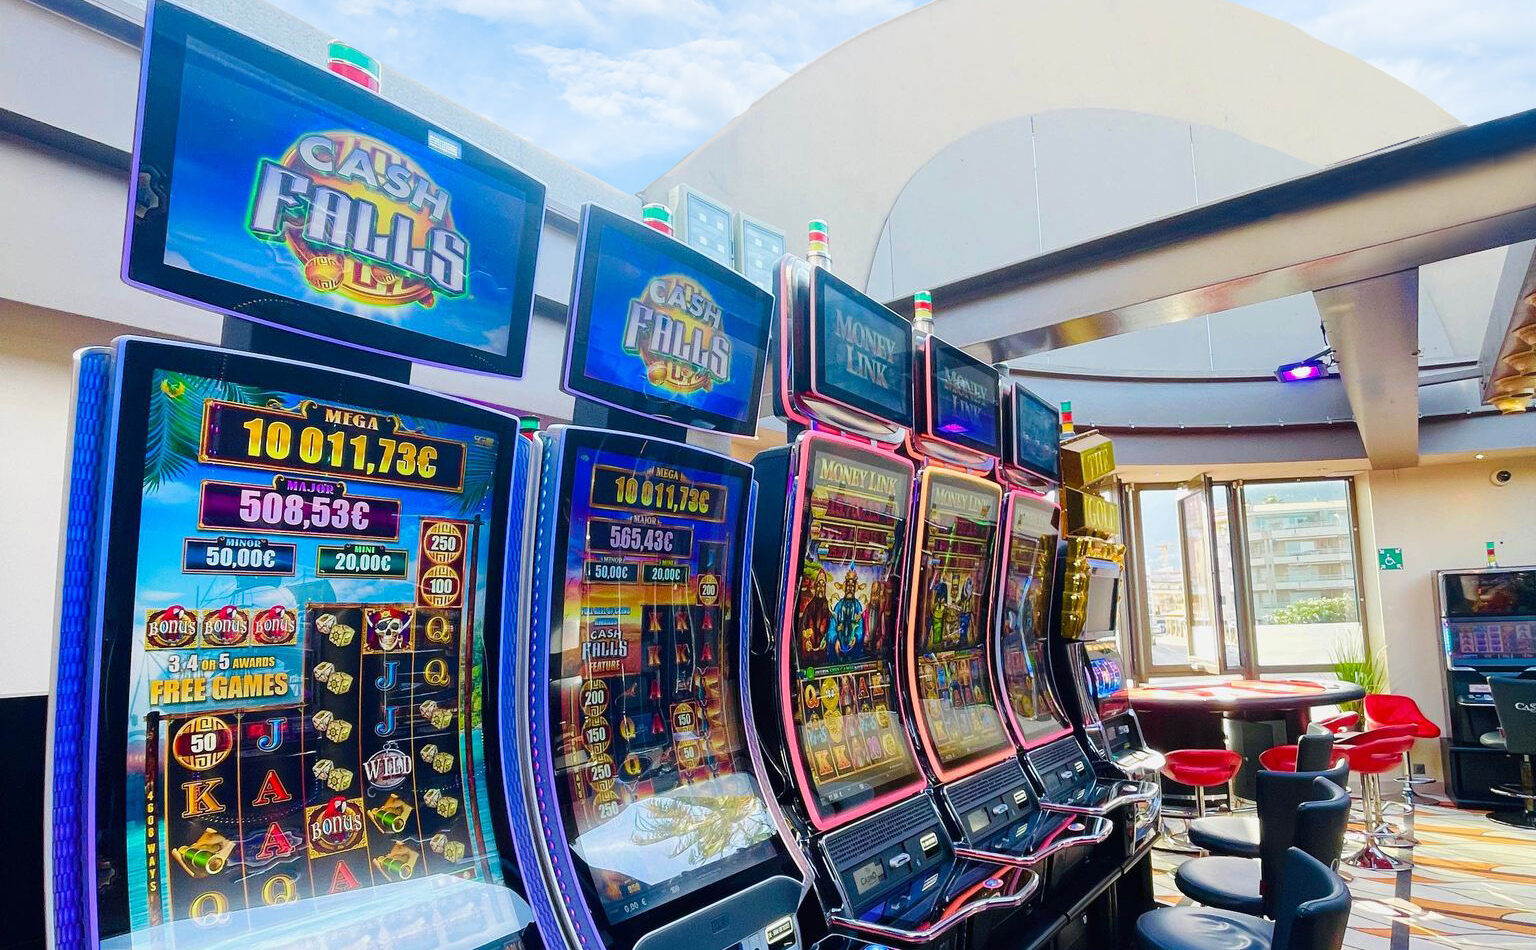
x,y
361,220
676,330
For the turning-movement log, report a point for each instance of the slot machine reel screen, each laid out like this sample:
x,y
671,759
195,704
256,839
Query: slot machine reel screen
x,y
304,582
1106,674
952,571
842,619
654,777
1036,434
1022,619
290,196
861,351
962,398
658,329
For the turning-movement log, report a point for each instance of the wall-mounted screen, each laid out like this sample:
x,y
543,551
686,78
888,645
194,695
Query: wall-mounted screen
x,y
655,782
305,574
1036,436
951,597
861,351
842,622
272,190
963,395
659,329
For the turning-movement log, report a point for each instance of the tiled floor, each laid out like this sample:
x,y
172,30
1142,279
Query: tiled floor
x,y
1473,885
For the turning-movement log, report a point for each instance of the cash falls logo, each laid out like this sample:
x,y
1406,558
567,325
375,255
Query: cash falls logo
x,y
675,328
362,219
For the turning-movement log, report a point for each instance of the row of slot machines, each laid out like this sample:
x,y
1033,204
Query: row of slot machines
x,y
347,663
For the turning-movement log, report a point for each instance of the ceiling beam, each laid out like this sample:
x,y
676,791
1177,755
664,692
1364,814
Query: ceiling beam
x,y
1430,199
1373,327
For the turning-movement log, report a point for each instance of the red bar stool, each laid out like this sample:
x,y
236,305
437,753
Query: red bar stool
x,y
1201,769
1370,756
1341,725
1390,709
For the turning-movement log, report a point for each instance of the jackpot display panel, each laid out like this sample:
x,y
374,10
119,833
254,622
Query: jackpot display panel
x,y
272,190
841,621
1028,566
660,330
642,780
272,696
950,603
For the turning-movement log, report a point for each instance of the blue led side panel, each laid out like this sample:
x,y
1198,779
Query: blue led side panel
x,y
72,853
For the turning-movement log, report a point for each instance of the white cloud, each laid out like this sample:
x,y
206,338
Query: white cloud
x,y
538,12
648,100
1472,57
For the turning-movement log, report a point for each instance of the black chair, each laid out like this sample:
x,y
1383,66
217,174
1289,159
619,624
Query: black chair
x,y
1311,913
1238,835
1314,753
1514,698
1248,885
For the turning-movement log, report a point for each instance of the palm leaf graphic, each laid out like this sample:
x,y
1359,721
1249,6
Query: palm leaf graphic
x,y
175,421
706,826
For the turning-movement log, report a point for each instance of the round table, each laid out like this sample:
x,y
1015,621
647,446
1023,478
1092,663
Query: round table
x,y
1247,716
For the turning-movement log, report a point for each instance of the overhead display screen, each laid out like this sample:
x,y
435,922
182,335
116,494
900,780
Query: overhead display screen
x,y
959,718
1022,620
963,398
656,782
305,570
291,197
659,329
842,622
1506,593
1036,434
862,351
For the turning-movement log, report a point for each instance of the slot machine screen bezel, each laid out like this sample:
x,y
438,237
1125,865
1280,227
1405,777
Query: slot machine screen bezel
x,y
951,769
775,860
934,353
170,29
137,361
1013,502
821,282
596,222
826,815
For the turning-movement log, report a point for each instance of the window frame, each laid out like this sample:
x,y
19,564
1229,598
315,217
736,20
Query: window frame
x,y
1242,598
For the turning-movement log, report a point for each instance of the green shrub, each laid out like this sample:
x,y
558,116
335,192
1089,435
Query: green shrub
x,y
1316,610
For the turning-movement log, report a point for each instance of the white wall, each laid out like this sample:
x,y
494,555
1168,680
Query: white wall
x,y
35,357
1441,516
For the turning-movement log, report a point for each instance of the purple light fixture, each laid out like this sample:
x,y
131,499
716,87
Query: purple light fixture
x,y
1313,367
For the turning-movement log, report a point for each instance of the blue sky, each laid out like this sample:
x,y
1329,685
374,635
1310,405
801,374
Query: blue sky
x,y
625,88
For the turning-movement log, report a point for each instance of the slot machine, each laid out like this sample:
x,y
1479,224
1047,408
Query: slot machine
x,y
946,665
283,588
1088,593
284,582
638,796
1052,754
829,561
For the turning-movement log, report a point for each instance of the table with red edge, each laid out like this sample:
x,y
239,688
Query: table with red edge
x,y
1219,714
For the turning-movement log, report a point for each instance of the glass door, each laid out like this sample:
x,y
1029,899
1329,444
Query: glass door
x,y
1202,601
